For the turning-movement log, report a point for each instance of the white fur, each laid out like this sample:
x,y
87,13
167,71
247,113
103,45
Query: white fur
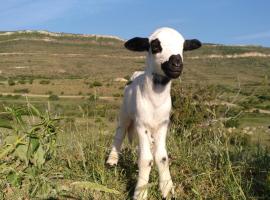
x,y
146,110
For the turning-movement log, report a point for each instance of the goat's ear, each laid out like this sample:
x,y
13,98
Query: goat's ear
x,y
137,44
192,44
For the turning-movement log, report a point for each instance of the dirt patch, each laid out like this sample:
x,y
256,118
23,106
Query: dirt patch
x,y
243,55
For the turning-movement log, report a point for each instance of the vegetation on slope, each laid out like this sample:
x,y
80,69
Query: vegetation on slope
x,y
207,161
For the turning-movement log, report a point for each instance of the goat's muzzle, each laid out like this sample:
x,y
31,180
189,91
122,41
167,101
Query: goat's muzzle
x,y
173,67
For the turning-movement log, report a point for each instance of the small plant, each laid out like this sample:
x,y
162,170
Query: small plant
x,y
49,92
53,97
11,82
23,90
22,81
116,95
127,77
27,150
97,84
31,80
44,82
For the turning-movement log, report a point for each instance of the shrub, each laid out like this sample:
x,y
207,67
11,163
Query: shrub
x,y
30,80
27,149
23,90
49,92
127,77
44,82
232,123
53,97
97,84
264,97
11,82
116,95
22,81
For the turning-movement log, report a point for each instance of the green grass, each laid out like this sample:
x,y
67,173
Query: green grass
x,y
209,159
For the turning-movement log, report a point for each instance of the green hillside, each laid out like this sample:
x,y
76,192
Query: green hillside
x,y
59,101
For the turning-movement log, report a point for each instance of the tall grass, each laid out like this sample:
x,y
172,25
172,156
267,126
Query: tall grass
x,y
206,160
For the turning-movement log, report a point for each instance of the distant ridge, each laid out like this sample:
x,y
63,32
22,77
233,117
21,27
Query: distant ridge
x,y
59,34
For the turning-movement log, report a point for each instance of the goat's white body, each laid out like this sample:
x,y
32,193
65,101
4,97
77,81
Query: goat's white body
x,y
146,111
147,103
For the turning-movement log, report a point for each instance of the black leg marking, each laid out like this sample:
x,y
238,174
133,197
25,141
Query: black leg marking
x,y
151,163
163,160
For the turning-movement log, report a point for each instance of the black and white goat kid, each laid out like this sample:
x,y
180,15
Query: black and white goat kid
x,y
147,104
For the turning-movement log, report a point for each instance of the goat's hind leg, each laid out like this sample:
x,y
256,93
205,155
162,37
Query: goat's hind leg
x,y
162,162
118,139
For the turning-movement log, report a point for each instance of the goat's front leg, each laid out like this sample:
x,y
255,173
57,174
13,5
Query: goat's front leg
x,y
145,162
162,162
118,139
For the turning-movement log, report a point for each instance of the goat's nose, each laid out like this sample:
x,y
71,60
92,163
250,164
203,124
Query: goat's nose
x,y
176,60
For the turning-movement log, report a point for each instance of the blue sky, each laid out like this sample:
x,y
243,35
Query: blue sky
x,y
215,21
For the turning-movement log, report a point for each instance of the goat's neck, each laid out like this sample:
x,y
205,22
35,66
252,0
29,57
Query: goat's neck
x,y
156,92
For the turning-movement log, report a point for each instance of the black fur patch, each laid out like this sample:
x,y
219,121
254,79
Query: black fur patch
x,y
163,159
173,67
155,46
173,198
160,80
192,44
137,44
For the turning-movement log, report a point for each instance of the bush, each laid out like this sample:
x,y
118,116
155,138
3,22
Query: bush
x,y
30,80
53,97
23,90
11,82
264,97
22,81
27,149
44,82
116,95
97,84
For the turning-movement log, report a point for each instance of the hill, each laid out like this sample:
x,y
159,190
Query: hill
x,y
59,101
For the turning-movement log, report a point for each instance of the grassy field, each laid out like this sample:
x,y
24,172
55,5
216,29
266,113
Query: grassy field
x,y
59,101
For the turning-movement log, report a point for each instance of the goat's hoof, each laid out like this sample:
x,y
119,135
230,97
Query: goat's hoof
x,y
112,162
140,194
173,198
112,159
166,188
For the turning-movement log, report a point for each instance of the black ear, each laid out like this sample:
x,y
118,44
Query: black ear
x,y
192,44
137,44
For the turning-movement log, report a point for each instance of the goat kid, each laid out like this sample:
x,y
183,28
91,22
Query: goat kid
x,y
147,104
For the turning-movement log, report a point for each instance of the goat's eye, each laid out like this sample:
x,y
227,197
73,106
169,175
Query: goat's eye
x,y
155,46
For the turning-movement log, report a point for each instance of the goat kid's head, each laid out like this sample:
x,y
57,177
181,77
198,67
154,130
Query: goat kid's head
x,y
165,51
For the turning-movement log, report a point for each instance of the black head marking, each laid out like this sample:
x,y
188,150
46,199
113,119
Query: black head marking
x,y
155,46
137,44
173,67
192,44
